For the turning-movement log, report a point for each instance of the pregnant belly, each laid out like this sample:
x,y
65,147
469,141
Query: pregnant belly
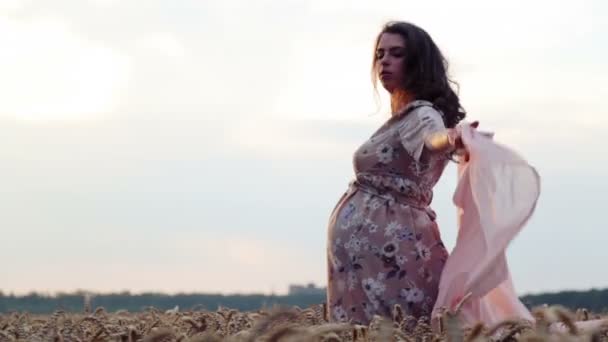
x,y
342,202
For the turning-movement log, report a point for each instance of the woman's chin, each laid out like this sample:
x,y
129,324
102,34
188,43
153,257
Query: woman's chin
x,y
388,87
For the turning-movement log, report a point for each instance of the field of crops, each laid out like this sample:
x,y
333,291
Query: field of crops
x,y
277,324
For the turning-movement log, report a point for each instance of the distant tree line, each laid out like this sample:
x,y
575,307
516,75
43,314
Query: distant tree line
x,y
74,302
593,300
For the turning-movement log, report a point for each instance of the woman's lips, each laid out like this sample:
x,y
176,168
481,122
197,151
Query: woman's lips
x,y
385,75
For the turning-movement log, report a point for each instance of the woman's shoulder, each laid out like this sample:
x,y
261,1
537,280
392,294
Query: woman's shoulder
x,y
421,112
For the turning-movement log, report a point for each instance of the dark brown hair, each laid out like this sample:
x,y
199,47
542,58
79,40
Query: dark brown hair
x,y
425,70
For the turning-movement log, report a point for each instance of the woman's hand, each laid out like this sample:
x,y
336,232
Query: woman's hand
x,y
456,141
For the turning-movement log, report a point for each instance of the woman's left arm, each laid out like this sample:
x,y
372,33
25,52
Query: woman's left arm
x,y
448,140
427,131
441,141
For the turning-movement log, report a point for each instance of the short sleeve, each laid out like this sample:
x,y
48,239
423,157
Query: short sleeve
x,y
417,126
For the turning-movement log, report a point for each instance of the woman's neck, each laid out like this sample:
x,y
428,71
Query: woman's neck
x,y
400,99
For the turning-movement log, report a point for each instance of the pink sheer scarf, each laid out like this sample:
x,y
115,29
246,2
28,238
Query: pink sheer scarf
x,y
496,194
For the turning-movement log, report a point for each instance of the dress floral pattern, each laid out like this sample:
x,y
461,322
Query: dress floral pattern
x,y
384,246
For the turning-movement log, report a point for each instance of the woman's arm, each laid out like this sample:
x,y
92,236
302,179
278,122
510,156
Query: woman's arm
x,y
440,141
447,140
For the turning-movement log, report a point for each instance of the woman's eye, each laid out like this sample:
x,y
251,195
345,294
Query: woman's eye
x,y
397,53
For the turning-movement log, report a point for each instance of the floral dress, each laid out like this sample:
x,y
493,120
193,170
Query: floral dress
x,y
384,246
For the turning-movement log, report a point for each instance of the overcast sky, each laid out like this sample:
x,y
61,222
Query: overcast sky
x,y
200,145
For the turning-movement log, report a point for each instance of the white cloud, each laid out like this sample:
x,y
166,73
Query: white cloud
x,y
164,43
104,3
50,72
13,5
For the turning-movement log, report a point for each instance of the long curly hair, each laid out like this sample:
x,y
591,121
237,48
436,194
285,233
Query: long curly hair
x,y
425,70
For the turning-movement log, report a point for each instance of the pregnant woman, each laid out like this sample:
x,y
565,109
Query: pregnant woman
x,y
384,246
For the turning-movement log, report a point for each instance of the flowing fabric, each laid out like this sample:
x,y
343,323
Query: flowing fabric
x,y
496,195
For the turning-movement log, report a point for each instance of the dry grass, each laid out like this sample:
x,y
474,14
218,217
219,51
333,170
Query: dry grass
x,y
278,324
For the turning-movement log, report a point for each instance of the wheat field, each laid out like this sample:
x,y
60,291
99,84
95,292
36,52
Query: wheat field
x,y
279,324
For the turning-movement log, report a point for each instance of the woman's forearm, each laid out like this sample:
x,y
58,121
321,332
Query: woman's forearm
x,y
440,141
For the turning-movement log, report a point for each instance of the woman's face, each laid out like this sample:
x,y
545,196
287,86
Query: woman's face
x,y
389,60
